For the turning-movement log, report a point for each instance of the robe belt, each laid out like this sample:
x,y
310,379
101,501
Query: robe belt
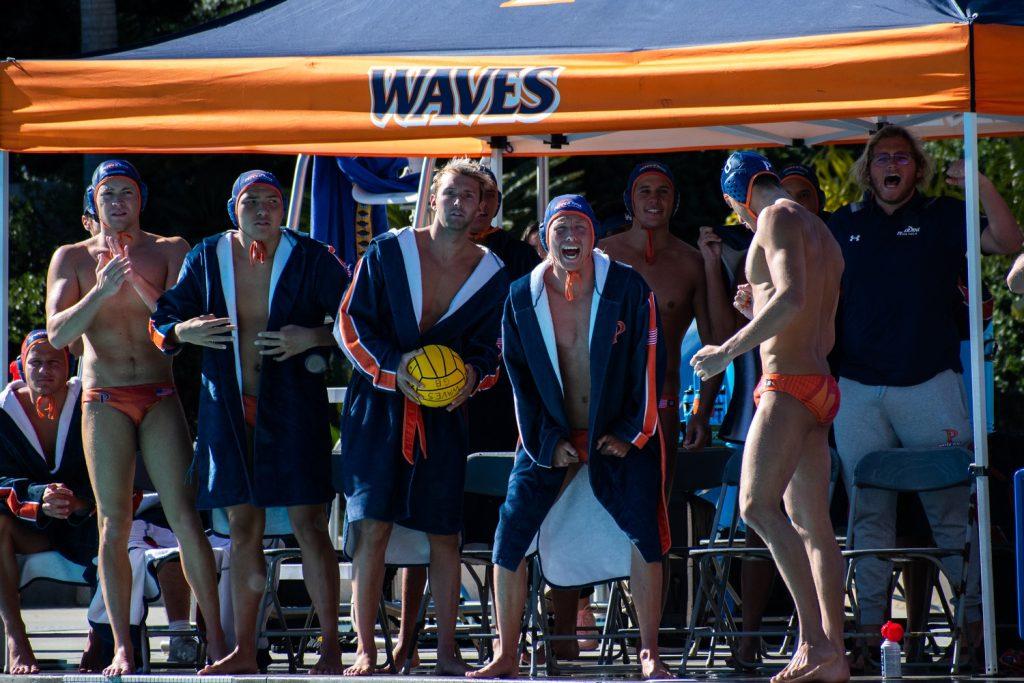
x,y
413,430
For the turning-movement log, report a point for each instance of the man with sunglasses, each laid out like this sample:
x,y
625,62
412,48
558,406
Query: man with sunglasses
x,y
898,343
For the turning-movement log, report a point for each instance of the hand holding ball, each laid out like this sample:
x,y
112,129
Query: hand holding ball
x,y
441,374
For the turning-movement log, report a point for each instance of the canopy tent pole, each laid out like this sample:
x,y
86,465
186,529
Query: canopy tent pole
x,y
298,191
497,168
5,233
422,210
542,187
978,403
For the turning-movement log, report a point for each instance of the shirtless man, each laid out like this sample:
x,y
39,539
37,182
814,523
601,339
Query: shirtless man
x,y
256,299
581,345
402,463
42,478
675,271
103,289
794,266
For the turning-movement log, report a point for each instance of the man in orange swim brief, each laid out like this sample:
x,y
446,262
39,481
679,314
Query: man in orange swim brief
x,y
818,393
794,267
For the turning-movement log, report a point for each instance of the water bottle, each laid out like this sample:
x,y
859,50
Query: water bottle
x,y
687,403
891,653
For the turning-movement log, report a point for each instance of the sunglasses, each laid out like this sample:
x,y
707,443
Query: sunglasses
x,y
884,159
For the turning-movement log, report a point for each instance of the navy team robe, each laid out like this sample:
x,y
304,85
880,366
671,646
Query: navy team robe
x,y
627,367
401,462
291,454
24,473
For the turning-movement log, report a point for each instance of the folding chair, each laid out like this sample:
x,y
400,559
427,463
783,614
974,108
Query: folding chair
x,y
277,527
48,565
146,563
916,471
153,561
716,599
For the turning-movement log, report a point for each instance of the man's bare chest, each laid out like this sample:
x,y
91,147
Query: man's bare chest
x,y
252,287
439,285
571,323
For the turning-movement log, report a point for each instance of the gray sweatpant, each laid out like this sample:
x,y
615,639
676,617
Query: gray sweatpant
x,y
871,418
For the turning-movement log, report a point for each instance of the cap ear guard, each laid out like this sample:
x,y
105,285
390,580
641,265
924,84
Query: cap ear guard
x,y
231,212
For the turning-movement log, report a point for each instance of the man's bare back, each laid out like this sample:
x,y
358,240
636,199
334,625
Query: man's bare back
x,y
802,347
117,350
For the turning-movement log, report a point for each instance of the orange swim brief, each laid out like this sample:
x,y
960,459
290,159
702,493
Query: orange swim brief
x,y
249,408
579,438
818,393
132,401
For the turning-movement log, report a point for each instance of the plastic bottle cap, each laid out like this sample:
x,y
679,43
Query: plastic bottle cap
x,y
892,631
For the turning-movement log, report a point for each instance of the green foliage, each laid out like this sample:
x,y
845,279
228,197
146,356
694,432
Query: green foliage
x,y
27,305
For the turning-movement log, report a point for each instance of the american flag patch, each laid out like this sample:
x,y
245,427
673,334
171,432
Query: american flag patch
x,y
652,337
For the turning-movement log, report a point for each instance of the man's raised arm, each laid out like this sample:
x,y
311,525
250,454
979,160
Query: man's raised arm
x,y
69,312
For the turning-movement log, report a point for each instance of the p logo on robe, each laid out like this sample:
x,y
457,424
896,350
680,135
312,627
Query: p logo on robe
x,y
450,96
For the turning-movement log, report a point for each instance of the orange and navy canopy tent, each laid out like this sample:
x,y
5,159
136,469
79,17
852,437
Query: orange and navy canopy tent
x,y
393,77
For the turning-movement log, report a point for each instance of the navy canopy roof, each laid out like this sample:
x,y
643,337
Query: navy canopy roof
x,y
446,77
319,28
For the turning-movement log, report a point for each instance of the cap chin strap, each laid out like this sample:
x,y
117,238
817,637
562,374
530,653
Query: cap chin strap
x,y
257,252
257,249
46,408
572,278
649,251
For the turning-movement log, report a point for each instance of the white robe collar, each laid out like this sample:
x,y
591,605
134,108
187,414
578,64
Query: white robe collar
x,y
227,281
542,308
10,404
481,275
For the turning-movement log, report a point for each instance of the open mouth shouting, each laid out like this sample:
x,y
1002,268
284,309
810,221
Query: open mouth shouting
x,y
892,181
570,253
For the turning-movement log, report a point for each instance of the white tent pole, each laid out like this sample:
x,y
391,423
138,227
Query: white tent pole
x,y
298,191
497,168
542,187
978,402
422,210
5,233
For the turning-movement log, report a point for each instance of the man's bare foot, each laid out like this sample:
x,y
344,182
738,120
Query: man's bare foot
x,y
235,663
651,666
91,661
20,658
216,647
365,665
814,663
329,663
398,657
451,666
500,667
123,663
